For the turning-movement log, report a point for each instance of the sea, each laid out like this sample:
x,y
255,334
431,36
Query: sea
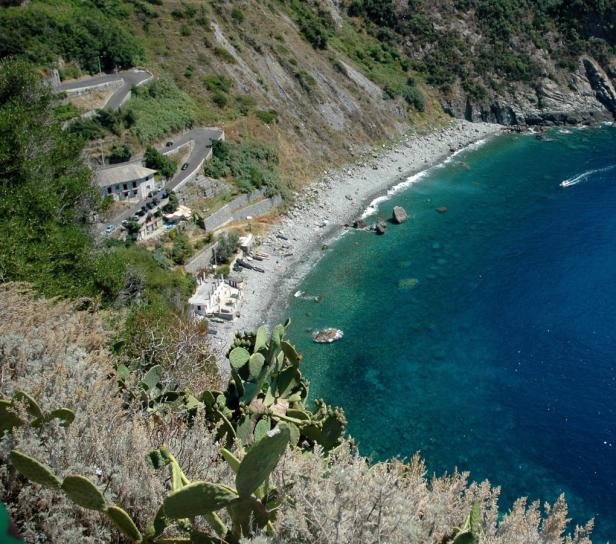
x,y
482,332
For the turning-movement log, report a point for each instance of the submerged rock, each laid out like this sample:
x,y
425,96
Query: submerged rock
x,y
327,336
442,209
408,283
399,215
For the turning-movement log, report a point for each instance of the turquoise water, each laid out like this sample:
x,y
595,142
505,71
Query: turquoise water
x,y
484,337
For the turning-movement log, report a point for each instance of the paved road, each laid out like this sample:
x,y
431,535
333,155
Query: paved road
x,y
202,139
129,78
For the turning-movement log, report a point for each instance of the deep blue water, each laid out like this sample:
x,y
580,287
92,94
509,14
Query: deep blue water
x,y
484,337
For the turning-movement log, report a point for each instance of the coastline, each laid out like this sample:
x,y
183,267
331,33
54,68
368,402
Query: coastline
x,y
322,210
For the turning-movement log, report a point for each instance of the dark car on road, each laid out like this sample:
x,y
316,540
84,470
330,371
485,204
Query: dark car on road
x,y
185,166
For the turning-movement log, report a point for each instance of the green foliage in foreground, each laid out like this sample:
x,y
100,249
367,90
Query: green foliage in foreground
x,y
160,108
83,31
251,165
251,504
10,414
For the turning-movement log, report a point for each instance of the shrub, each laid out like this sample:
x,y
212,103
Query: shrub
x,y
157,161
181,250
237,14
215,82
60,355
226,247
267,116
220,99
250,164
121,153
71,30
160,108
223,54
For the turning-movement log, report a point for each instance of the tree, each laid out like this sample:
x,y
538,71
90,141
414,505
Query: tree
x,y
157,161
45,189
226,247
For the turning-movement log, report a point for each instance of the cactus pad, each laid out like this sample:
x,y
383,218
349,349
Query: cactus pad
x,y
8,418
34,470
260,460
238,357
83,492
123,522
198,499
65,416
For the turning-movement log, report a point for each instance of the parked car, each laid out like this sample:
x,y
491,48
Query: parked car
x,y
185,166
110,229
168,144
165,194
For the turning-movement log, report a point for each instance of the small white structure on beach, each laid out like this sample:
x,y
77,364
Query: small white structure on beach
x,y
245,242
215,298
130,181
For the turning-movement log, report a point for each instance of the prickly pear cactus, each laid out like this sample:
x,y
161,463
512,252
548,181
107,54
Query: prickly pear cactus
x,y
267,388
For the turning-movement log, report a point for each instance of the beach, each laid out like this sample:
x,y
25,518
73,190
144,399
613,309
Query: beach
x,y
320,212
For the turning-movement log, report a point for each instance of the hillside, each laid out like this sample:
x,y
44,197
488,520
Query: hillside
x,y
323,80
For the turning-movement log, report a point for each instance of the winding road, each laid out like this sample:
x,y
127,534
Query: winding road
x,y
200,138
129,79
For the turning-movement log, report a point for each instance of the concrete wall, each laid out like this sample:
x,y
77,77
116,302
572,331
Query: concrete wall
x,y
233,211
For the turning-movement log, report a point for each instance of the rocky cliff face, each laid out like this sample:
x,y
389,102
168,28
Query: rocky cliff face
x,y
586,96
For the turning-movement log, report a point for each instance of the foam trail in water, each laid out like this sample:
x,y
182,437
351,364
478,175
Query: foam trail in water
x,y
585,175
374,205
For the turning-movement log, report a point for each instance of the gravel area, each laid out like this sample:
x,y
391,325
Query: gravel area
x,y
320,213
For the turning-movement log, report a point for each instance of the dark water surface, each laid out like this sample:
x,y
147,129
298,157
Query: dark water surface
x,y
485,337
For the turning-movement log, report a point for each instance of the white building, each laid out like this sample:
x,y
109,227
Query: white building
x,y
130,181
215,298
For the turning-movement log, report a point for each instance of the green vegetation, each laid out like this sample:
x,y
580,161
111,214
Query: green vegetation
x,y
226,247
267,116
160,108
120,153
508,30
157,161
88,32
182,249
46,198
251,165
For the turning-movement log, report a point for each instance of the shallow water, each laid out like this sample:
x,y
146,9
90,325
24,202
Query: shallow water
x,y
484,336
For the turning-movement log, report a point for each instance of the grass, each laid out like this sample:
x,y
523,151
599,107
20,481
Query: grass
x,y
160,108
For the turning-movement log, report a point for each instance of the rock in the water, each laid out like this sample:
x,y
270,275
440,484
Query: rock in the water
x,y
380,228
408,283
399,215
327,336
442,209
360,224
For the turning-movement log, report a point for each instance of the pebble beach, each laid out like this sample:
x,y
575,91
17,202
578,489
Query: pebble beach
x,y
322,211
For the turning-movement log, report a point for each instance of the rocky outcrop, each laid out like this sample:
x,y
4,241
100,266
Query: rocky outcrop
x,y
601,84
585,96
399,215
380,228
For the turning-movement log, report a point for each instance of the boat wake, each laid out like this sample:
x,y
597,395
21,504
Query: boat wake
x,y
585,175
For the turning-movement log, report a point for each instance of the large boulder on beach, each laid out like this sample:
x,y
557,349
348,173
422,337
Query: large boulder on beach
x,y
360,224
399,215
380,228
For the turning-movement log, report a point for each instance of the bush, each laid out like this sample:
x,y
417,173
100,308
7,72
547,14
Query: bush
x,y
237,14
215,82
160,108
72,30
250,164
220,99
181,250
267,116
111,437
226,248
157,161
120,153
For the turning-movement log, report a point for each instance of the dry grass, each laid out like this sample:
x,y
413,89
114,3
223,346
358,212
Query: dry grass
x,y
58,354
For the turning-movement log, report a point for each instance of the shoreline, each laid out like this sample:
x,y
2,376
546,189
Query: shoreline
x,y
320,213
